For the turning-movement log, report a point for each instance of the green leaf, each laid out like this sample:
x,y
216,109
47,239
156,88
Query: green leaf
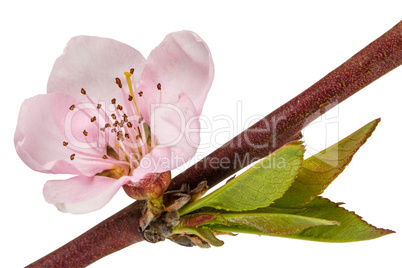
x,y
270,223
318,171
352,228
204,233
259,186
235,228
197,219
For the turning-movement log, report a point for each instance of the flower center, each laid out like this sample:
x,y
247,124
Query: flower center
x,y
123,136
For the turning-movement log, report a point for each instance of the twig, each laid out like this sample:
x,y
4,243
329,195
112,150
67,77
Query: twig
x,y
275,130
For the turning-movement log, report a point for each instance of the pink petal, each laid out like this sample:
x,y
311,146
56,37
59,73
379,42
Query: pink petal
x,y
82,194
93,63
177,130
44,123
182,63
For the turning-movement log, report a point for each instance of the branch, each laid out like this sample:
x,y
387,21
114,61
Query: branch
x,y
275,130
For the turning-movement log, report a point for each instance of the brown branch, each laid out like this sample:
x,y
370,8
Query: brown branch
x,y
111,235
275,130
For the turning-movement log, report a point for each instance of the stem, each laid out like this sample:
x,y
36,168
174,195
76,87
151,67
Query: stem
x,y
111,235
275,130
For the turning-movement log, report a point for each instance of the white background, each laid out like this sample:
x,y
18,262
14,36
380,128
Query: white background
x,y
264,54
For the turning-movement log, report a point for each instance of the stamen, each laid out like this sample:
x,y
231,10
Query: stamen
x,y
120,135
98,106
122,148
91,157
72,107
159,86
83,92
118,82
107,160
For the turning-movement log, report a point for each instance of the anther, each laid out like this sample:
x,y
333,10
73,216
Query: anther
x,y
72,107
119,107
118,82
72,157
93,119
98,106
140,93
120,135
113,116
107,125
65,143
130,98
125,118
85,133
127,136
113,101
129,124
104,157
115,123
131,70
83,92
159,86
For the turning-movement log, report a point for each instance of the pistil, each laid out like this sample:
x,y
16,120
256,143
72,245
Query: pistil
x,y
130,87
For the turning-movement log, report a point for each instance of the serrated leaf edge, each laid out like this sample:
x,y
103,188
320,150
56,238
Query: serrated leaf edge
x,y
367,136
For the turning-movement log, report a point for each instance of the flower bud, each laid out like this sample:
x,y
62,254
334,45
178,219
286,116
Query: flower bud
x,y
151,187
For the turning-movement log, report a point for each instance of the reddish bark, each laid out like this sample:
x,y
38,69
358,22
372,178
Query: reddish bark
x,y
111,235
275,130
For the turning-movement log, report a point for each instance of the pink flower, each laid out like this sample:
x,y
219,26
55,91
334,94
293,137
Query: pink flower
x,y
112,118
